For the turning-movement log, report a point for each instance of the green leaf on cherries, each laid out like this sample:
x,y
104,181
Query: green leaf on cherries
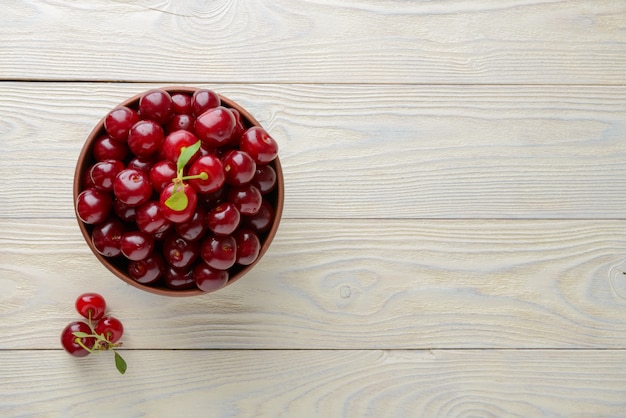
x,y
79,334
178,200
185,155
120,363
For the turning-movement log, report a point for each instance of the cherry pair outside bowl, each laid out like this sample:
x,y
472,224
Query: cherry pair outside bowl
x,y
119,265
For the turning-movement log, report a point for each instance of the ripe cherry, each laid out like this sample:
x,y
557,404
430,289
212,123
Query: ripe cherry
x,y
106,237
219,252
248,246
179,122
215,126
184,214
264,178
150,219
209,279
179,279
161,174
203,100
91,306
70,342
103,174
195,227
136,245
123,211
105,148
212,166
93,206
260,221
259,144
148,270
179,252
181,103
156,105
223,219
143,164
239,167
118,122
145,138
110,328
132,187
247,199
175,142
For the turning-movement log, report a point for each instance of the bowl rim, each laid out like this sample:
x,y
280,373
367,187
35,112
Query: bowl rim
x,y
85,156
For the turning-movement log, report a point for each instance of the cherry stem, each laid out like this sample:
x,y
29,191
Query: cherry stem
x,y
201,176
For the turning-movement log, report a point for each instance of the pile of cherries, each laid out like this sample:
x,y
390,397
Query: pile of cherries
x,y
178,192
99,333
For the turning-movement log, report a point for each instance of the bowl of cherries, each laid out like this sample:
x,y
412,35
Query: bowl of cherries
x,y
178,191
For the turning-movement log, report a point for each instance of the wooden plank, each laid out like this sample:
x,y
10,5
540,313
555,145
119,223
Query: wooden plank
x,y
258,383
366,151
353,41
346,284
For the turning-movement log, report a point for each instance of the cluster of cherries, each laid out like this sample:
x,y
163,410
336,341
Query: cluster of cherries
x,y
179,190
99,333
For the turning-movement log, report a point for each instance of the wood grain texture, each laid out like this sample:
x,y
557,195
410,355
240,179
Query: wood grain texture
x,y
346,284
365,151
316,41
314,383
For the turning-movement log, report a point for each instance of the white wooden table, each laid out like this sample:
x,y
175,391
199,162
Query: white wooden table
x,y
453,241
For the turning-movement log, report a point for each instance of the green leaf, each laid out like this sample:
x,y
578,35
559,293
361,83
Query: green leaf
x,y
177,201
185,155
120,363
79,334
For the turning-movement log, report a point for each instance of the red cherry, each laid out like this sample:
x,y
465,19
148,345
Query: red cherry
x,y
118,122
195,227
143,164
184,214
93,206
105,148
247,199
223,219
69,341
264,178
215,126
179,279
136,245
212,166
145,138
259,144
110,328
239,127
91,304
203,100
148,270
219,252
106,237
132,187
179,252
175,141
181,103
179,122
150,219
156,105
239,167
103,174
123,211
248,246
260,221
162,173
209,279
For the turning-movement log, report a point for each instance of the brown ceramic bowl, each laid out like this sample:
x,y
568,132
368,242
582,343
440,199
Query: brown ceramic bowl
x,y
118,265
